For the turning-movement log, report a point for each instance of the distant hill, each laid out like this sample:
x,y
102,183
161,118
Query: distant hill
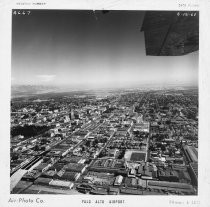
x,y
30,90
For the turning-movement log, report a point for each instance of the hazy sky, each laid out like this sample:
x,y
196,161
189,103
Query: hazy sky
x,y
80,48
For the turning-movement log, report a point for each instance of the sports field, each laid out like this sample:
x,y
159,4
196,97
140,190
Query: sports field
x,y
137,156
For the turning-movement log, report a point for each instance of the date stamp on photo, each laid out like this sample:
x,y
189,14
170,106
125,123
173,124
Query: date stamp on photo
x,y
187,14
21,12
188,202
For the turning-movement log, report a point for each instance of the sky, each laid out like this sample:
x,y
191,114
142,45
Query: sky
x,y
90,49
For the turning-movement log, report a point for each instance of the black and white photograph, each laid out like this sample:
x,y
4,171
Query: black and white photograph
x,y
104,102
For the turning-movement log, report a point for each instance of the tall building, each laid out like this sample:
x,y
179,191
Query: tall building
x,y
72,117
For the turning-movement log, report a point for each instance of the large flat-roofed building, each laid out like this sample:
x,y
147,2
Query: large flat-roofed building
x,y
75,167
70,176
42,167
62,184
42,181
168,175
109,166
171,186
142,127
146,171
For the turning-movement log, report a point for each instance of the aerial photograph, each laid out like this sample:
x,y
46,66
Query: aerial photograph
x,y
104,102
